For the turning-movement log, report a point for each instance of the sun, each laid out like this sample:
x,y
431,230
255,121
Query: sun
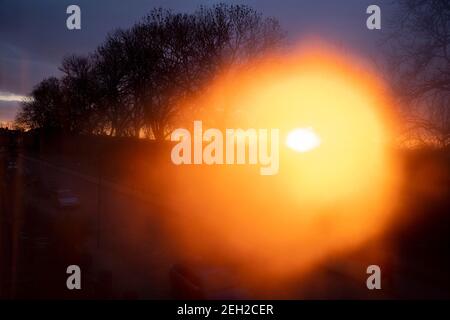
x,y
303,139
336,188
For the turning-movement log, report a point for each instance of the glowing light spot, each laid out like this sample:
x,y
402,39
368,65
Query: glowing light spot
x,y
302,139
338,180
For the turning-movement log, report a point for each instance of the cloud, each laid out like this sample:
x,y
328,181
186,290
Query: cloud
x,y
11,97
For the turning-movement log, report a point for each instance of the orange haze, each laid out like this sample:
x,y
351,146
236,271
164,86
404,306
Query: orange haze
x,y
324,202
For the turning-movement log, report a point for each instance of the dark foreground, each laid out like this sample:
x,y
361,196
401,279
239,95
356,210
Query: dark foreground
x,y
132,258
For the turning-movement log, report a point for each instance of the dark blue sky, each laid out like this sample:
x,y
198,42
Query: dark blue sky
x,y
34,37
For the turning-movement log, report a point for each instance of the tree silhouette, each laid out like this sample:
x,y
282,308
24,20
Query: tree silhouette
x,y
110,72
44,108
133,82
419,63
80,94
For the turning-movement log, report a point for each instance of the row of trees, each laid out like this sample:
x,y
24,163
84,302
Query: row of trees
x,y
130,84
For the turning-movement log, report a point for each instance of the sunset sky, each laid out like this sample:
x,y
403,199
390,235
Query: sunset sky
x,y
34,38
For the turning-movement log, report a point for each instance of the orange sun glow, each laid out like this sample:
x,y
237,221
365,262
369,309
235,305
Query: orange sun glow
x,y
325,201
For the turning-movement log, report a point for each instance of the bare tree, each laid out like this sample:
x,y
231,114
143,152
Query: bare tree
x,y
44,108
197,47
80,94
110,73
419,61
134,81
233,34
